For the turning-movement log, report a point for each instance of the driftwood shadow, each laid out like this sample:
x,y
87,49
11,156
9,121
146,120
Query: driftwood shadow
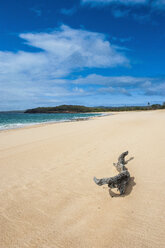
x,y
129,189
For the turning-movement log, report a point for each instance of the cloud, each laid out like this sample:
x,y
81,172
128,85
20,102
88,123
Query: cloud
x,y
105,2
129,8
114,90
47,77
126,85
110,81
158,3
155,90
122,8
76,48
32,78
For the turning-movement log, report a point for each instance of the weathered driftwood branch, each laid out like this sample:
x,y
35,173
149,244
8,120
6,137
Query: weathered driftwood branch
x,y
121,180
120,165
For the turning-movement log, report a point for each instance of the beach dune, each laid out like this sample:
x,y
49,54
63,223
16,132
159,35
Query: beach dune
x,y
48,198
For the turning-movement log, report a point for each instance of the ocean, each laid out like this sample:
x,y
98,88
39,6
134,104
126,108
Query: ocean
x,y
12,120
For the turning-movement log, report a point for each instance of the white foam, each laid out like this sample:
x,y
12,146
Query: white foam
x,y
21,125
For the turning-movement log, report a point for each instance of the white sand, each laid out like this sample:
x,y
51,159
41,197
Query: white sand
x,y
47,195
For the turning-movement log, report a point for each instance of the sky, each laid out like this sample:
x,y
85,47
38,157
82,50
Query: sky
x,y
84,52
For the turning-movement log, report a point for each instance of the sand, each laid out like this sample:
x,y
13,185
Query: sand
x,y
47,195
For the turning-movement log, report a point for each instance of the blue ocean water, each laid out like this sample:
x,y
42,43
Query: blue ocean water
x,y
16,120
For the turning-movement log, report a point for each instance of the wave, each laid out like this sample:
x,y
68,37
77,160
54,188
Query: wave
x,y
13,123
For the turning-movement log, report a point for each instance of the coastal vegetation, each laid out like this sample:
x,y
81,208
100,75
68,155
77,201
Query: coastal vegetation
x,y
84,109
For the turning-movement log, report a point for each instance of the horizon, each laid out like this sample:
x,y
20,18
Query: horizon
x,y
81,52
97,106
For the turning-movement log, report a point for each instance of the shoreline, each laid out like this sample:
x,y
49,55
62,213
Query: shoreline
x,y
31,125
102,114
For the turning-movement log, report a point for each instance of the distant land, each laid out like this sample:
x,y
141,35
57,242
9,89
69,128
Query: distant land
x,y
84,109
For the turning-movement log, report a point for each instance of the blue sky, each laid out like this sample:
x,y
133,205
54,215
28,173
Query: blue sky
x,y
87,52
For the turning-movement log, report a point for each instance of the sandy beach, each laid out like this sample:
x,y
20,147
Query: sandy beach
x,y
47,195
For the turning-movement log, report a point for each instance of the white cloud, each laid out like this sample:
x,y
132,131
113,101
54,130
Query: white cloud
x,y
62,52
32,76
39,78
126,2
114,90
123,8
126,85
154,3
72,48
155,90
110,81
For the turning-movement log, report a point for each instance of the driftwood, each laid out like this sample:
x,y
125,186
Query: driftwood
x,y
121,180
